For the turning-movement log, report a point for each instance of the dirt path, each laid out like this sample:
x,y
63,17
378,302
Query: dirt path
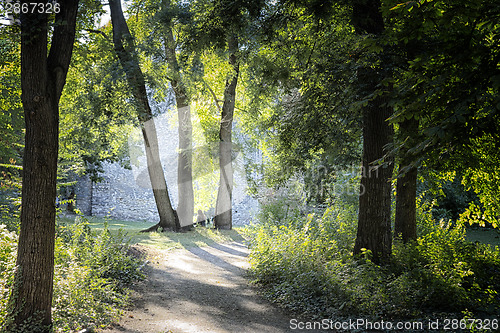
x,y
201,289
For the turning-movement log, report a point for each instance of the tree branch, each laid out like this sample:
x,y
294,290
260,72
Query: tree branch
x,y
213,95
62,43
98,32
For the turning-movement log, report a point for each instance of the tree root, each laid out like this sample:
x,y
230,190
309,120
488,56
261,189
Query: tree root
x,y
159,228
152,229
177,227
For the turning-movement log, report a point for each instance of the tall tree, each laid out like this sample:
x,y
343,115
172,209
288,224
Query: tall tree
x,y
42,81
223,206
185,208
214,30
405,221
125,49
374,219
222,26
158,29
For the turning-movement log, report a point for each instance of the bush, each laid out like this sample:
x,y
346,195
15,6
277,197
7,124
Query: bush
x,y
307,266
104,252
92,273
8,246
81,300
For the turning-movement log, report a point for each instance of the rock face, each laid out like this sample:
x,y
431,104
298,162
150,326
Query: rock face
x,y
127,194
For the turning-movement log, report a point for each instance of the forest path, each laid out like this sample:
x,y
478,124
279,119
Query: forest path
x,y
198,290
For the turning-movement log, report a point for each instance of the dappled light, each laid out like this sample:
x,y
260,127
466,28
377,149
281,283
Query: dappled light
x,y
260,166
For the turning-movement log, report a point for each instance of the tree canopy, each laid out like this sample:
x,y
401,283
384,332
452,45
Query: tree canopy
x,y
391,98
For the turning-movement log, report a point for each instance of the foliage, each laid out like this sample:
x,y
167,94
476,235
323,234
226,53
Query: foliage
x,y
305,64
95,113
92,274
103,252
486,182
215,21
11,115
8,252
450,196
451,82
11,125
448,79
305,264
10,195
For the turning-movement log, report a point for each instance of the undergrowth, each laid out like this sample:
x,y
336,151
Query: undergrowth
x,y
306,264
92,274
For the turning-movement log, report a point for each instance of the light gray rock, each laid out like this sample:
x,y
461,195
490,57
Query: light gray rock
x,y
127,194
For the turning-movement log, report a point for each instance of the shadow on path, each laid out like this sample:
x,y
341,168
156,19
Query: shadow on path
x,y
202,289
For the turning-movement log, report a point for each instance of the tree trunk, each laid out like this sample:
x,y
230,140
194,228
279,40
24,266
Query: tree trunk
x,y
223,206
405,224
125,49
374,219
185,208
185,164
42,82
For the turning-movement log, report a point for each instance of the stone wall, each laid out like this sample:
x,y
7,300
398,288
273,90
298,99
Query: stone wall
x,y
127,194
119,196
83,192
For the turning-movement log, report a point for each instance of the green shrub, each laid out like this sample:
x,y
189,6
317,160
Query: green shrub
x,y
308,267
103,252
92,273
82,300
8,246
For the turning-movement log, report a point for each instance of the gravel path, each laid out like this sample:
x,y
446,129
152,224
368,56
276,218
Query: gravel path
x,y
198,290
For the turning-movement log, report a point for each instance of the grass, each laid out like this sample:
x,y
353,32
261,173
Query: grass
x,y
199,236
